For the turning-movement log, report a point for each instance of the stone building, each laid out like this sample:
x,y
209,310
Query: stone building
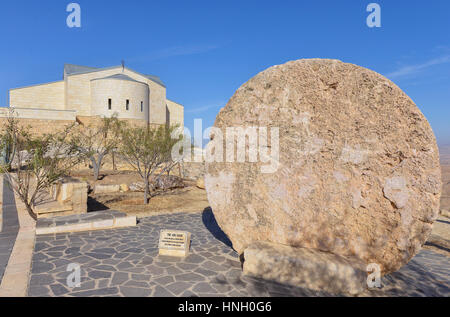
x,y
86,93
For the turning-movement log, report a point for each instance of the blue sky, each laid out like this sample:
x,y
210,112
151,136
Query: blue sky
x,y
204,50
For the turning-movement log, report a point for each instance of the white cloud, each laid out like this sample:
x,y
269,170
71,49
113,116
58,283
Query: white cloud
x,y
177,51
413,69
203,108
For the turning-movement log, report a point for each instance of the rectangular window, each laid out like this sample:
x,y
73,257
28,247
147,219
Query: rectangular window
x,y
142,106
109,104
128,105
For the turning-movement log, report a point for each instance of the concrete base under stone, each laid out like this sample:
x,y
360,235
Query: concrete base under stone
x,y
305,268
100,220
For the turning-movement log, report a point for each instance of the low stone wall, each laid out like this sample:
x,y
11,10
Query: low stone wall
x,y
39,127
95,120
41,114
50,121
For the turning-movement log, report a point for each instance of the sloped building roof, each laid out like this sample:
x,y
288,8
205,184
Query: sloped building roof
x,y
120,77
70,69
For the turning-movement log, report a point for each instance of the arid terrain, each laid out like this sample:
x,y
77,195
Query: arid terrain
x,y
187,199
439,240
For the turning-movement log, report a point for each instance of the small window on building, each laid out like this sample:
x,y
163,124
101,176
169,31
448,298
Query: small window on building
x,y
142,106
128,105
109,104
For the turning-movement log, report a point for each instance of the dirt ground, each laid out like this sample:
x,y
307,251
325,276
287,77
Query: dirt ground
x,y
188,199
108,177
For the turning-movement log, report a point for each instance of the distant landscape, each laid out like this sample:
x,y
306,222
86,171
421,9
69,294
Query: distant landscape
x,y
444,152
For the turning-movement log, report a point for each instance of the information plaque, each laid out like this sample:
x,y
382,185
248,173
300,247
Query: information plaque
x,y
174,243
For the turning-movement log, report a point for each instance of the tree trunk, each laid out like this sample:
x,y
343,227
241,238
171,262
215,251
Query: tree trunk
x,y
114,162
30,211
96,168
147,191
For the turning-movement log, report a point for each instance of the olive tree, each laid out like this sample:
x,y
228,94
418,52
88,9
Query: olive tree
x,y
148,151
7,141
96,141
37,162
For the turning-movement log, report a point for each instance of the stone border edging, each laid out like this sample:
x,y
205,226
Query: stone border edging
x,y
16,277
114,222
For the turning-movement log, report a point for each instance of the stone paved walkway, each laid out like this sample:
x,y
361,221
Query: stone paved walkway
x,y
10,226
125,262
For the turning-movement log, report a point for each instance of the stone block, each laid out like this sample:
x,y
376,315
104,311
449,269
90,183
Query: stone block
x,y
105,189
306,268
128,221
124,188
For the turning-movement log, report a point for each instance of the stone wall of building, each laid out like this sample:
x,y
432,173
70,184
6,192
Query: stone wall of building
x,y
119,91
46,96
78,93
83,95
175,113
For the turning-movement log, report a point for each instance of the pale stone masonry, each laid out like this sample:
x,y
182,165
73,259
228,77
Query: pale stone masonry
x,y
97,92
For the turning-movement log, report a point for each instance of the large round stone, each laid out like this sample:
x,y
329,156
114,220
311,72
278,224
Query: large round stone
x,y
358,170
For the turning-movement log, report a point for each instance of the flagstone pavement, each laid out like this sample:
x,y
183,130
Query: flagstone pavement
x,y
125,262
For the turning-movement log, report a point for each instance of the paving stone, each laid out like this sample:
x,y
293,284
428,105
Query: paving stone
x,y
161,292
41,267
178,287
133,283
38,291
102,283
146,260
135,291
203,288
163,264
189,277
41,279
187,266
60,248
189,294
59,289
133,250
209,265
119,278
104,250
141,277
206,273
104,267
155,270
97,292
99,256
165,280
84,285
194,258
173,271
41,246
135,270
99,274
